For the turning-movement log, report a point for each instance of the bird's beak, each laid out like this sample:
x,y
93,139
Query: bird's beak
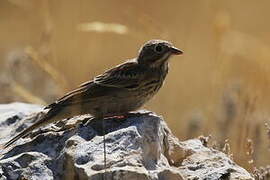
x,y
176,51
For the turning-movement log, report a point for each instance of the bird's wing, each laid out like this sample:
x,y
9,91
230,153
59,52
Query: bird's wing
x,y
125,76
72,97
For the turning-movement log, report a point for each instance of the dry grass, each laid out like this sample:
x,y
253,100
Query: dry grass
x,y
219,87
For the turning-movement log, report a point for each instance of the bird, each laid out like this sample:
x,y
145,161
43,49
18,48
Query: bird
x,y
116,92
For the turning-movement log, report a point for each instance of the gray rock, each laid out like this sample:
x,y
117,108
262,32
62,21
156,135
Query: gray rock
x,y
139,147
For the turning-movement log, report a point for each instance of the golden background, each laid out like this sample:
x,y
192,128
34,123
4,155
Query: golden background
x,y
219,86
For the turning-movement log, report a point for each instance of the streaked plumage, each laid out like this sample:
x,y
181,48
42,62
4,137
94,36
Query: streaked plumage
x,y
117,91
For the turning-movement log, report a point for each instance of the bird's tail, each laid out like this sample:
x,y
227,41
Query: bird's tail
x,y
45,119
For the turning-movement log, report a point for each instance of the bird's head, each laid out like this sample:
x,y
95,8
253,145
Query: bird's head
x,y
156,52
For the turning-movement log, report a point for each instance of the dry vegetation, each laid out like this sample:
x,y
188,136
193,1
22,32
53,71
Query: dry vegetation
x,y
219,87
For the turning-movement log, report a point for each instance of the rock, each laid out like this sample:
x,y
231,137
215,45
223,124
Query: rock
x,y
139,147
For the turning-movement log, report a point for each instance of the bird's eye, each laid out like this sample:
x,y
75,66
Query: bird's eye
x,y
158,48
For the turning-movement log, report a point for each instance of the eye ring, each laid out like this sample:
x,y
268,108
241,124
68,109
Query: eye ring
x,y
159,48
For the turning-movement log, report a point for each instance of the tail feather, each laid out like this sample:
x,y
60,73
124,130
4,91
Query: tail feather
x,y
44,120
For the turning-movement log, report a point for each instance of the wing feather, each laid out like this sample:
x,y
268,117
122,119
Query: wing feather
x,y
127,75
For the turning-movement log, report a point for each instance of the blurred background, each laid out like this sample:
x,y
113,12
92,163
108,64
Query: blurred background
x,y
219,87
